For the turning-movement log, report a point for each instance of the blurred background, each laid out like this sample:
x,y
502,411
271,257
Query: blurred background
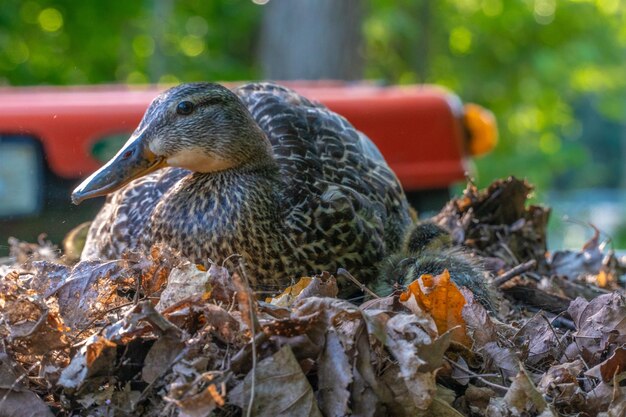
x,y
553,72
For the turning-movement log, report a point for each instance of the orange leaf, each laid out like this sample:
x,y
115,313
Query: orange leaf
x,y
441,299
287,297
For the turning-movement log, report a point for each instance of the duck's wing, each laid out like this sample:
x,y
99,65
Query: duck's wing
x,y
338,184
121,223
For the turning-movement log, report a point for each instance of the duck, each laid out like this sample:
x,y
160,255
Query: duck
x,y
259,172
428,248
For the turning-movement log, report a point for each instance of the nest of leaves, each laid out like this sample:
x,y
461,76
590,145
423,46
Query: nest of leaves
x,y
154,335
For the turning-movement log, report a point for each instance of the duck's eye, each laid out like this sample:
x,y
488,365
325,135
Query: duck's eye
x,y
184,107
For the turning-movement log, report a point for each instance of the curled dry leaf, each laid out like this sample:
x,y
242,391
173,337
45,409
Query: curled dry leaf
x,y
200,397
541,339
334,377
608,369
441,298
600,324
15,399
99,351
90,290
560,383
194,313
575,264
324,285
295,396
184,282
419,352
29,320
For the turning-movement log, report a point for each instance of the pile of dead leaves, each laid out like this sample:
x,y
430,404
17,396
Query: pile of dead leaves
x,y
154,335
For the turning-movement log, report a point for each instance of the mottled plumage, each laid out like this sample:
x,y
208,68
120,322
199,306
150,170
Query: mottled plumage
x,y
297,190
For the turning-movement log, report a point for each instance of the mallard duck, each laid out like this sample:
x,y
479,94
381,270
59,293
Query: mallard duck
x,y
260,172
428,249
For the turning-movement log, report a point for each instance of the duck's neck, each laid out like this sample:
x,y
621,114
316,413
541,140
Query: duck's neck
x,y
223,213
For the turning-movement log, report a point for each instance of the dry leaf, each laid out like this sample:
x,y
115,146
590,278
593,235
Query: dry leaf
x,y
324,285
184,282
334,377
281,389
440,297
15,400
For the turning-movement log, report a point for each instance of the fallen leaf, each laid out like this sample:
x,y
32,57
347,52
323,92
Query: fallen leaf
x,y
612,366
280,388
419,352
90,290
523,397
502,359
324,285
15,400
574,264
334,377
560,383
599,323
440,297
184,282
540,337
288,296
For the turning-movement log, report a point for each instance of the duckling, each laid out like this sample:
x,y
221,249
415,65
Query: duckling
x,y
428,249
260,172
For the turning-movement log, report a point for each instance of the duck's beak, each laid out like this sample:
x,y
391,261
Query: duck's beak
x,y
134,160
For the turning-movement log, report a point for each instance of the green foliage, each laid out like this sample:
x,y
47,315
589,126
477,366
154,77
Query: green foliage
x,y
532,62
71,42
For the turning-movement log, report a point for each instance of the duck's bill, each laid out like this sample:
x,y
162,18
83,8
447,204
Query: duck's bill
x,y
134,160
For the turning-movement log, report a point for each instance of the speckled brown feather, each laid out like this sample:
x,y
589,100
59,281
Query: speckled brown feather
x,y
329,201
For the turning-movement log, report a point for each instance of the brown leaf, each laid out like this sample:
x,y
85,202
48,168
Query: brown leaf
x,y
478,397
96,355
482,328
500,358
334,377
246,303
184,282
523,396
600,323
200,405
280,389
194,312
573,264
541,340
419,352
161,355
98,352
91,289
15,400
30,321
48,277
615,364
561,384
324,285
288,296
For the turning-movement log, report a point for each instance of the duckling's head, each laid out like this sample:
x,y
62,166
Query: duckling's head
x,y
203,127
426,236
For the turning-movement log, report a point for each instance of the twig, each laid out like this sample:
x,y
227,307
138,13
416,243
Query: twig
x,y
253,321
356,282
513,272
478,376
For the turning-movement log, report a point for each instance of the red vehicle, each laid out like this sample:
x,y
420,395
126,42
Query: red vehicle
x,y
51,137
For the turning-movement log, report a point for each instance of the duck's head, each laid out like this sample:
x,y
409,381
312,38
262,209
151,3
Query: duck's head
x,y
202,127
